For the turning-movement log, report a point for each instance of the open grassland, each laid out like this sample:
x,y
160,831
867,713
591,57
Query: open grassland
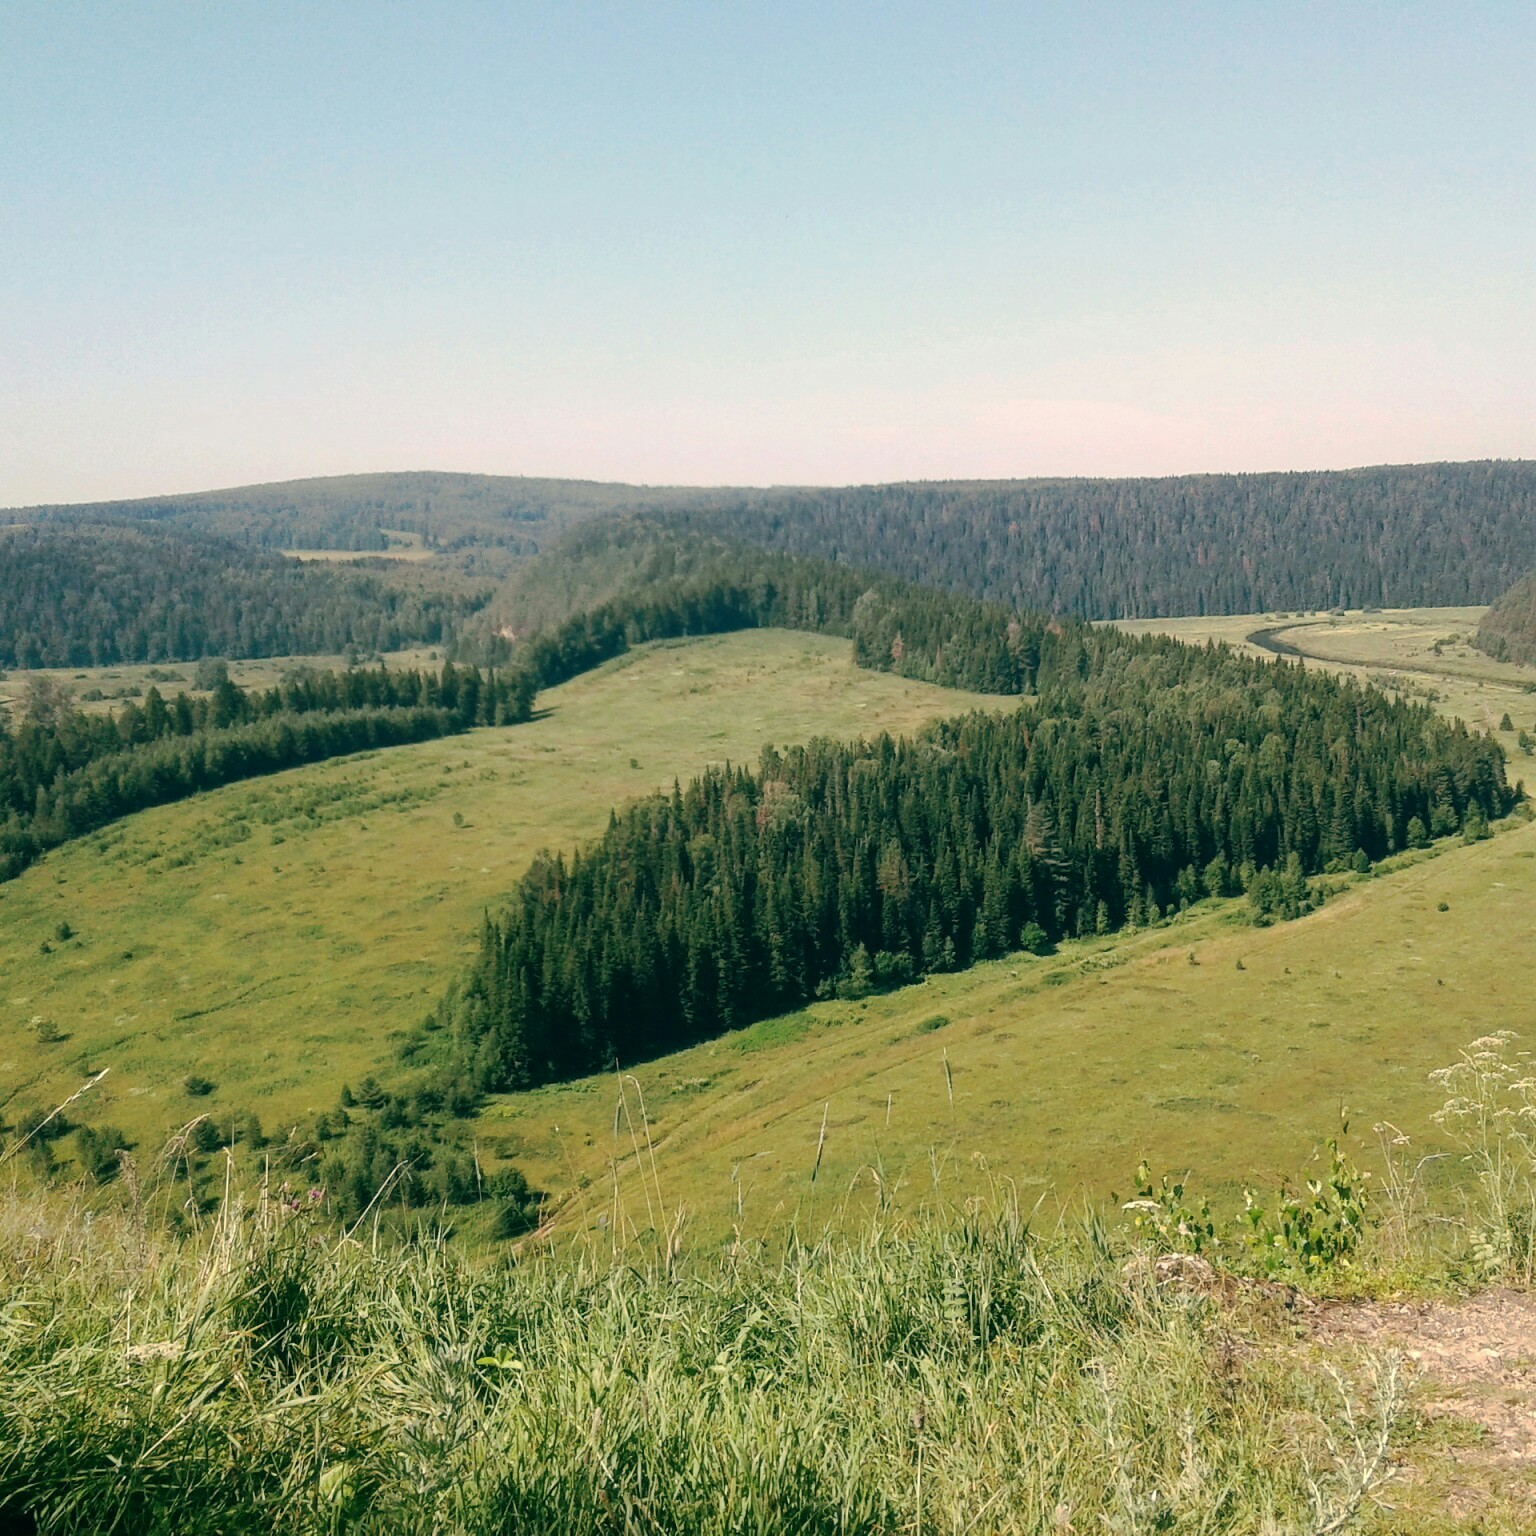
x,y
105,688
281,936
1424,653
403,545
1204,1044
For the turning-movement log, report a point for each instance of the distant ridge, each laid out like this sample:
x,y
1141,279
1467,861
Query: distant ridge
x,y
1388,535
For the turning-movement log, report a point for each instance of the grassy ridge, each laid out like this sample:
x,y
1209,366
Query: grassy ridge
x,y
280,937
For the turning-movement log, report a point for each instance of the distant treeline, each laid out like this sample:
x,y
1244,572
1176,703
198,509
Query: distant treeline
x,y
1403,536
102,594
1158,774
1508,630
64,772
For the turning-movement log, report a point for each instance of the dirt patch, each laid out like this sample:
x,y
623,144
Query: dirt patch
x,y
1474,1367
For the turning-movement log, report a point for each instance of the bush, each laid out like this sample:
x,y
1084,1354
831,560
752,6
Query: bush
x,y
97,1148
1034,940
197,1086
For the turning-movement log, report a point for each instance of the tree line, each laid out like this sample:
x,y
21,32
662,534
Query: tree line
x,y
637,581
65,772
1393,536
1168,774
102,595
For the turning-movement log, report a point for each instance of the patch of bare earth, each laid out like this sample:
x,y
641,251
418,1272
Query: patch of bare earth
x,y
1473,1365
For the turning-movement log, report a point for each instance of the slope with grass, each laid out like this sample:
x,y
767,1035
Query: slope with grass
x,y
1204,1043
281,937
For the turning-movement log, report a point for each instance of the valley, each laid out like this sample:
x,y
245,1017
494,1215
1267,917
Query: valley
x,y
280,937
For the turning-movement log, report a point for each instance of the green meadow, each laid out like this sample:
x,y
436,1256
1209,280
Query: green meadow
x,y
1203,1044
281,936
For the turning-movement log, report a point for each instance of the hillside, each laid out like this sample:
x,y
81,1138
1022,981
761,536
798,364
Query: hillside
x,y
1205,1044
1402,536
283,936
101,594
448,512
1508,629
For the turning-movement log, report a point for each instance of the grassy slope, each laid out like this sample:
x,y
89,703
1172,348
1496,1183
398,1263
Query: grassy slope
x,y
284,932
300,962
1066,1071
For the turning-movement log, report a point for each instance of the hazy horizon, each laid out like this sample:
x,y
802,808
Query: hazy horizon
x,y
693,245
738,485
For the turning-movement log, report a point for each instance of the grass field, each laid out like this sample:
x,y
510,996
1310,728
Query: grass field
x,y
103,688
280,936
1063,1072
1057,1074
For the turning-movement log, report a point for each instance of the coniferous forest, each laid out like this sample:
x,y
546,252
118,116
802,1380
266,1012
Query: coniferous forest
x,y
1508,630
1390,536
101,595
1394,536
1146,775
64,772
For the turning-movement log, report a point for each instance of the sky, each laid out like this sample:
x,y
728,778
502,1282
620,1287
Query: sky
x,y
759,243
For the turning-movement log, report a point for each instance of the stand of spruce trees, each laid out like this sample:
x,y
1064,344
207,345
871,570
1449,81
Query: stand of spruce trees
x,y
64,772
1146,775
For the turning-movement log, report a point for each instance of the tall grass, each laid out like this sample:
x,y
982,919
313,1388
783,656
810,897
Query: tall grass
x,y
945,1376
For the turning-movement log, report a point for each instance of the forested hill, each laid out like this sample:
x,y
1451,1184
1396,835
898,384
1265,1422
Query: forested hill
x,y
1400,536
1405,536
101,594
1508,630
449,512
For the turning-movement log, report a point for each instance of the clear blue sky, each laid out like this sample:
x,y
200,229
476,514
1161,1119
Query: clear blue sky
x,y
759,243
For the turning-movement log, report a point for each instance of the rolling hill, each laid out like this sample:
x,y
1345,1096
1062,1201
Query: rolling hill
x,y
1399,536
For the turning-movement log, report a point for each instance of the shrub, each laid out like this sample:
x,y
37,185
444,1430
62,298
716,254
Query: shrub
x,y
197,1086
97,1148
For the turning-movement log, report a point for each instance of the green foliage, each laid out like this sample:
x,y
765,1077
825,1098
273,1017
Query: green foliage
x,y
1281,894
97,594
1399,536
1310,1232
197,1086
672,586
957,1374
1508,629
1314,1230
1163,1216
96,1150
64,773
849,869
